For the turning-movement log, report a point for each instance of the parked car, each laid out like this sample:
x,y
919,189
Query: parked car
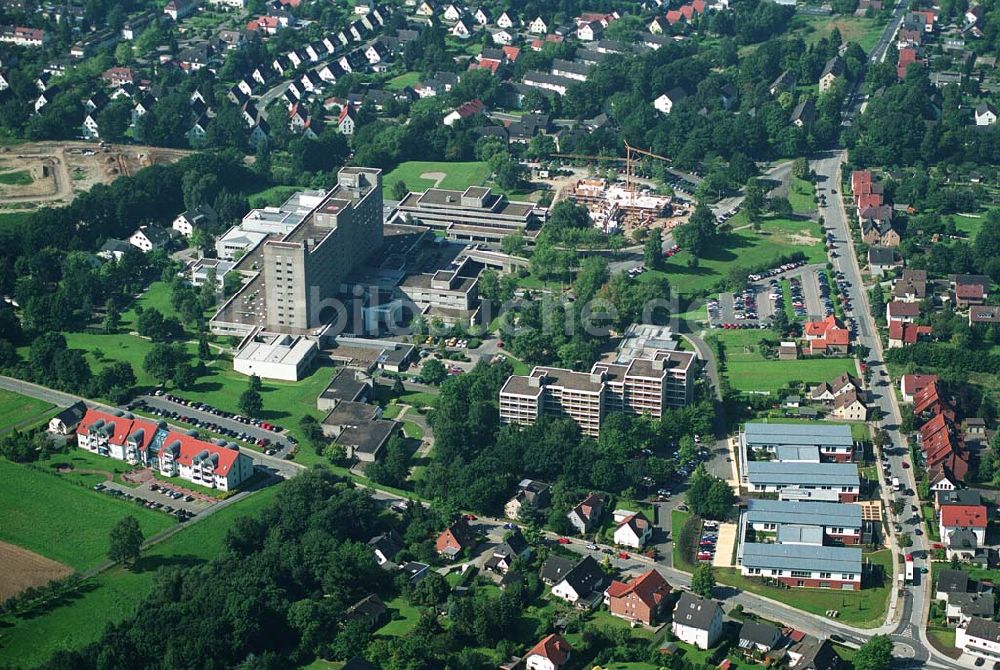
x,y
563,540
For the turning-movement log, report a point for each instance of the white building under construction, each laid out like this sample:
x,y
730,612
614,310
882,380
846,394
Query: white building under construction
x,y
612,206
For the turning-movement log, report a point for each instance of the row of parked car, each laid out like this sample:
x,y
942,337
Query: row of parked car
x,y
262,442
181,514
728,214
785,267
798,302
709,536
205,407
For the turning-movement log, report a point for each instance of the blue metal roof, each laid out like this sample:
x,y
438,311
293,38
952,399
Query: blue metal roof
x,y
802,557
834,515
798,434
802,474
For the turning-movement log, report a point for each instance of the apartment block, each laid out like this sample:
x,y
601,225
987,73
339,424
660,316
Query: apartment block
x,y
153,444
641,386
822,482
804,522
804,565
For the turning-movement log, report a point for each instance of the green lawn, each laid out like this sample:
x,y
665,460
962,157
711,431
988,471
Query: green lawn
x,y
19,411
402,81
61,520
13,220
862,30
865,608
113,595
969,223
520,367
743,249
801,195
16,178
412,430
677,521
772,376
404,618
273,196
459,176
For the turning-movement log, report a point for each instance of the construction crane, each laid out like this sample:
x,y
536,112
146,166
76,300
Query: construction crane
x,y
630,162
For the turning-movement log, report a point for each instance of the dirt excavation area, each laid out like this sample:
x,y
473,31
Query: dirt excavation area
x,y
23,569
40,174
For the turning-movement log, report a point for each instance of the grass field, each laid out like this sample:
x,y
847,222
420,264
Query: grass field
x,y
743,249
273,196
16,178
402,81
748,370
802,196
459,176
677,521
63,521
862,30
865,608
113,595
19,411
404,618
13,220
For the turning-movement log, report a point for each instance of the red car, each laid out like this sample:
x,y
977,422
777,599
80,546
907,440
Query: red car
x,y
563,540
905,464
470,517
622,554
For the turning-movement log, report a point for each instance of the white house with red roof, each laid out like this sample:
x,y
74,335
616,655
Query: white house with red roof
x,y
634,530
910,385
466,110
551,653
143,442
346,120
953,518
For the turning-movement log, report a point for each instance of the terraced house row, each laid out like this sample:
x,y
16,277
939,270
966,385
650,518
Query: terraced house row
x,y
152,444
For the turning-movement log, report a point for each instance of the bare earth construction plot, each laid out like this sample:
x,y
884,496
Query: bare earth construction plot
x,y
60,170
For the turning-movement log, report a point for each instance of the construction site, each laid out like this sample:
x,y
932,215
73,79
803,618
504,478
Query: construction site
x,y
53,173
625,206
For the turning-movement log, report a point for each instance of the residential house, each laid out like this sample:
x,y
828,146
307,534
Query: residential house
x,y
801,564
980,638
882,260
512,548
481,16
370,611
113,249
386,547
538,26
178,9
850,407
591,31
642,599
466,110
579,585
192,219
911,384
905,312
969,289
911,287
827,336
697,620
551,653
951,581
810,653
455,539
529,491
833,70
148,238
901,334
508,19
952,518
554,569
633,531
986,114
66,421
785,83
804,113
962,607
462,30
502,37
453,12
586,516
666,102
346,120
757,638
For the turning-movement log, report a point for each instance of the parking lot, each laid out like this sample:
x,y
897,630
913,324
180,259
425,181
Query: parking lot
x,y
169,498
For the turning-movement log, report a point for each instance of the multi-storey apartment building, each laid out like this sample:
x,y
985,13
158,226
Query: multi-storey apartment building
x,y
152,444
823,482
641,386
804,522
809,566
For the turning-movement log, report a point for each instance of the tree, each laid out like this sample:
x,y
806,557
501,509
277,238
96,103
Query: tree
x,y
433,371
753,203
652,252
125,541
875,654
255,383
251,403
112,317
703,580
399,189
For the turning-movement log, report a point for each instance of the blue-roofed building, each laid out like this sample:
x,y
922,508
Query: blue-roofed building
x,y
804,565
795,442
839,523
819,482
